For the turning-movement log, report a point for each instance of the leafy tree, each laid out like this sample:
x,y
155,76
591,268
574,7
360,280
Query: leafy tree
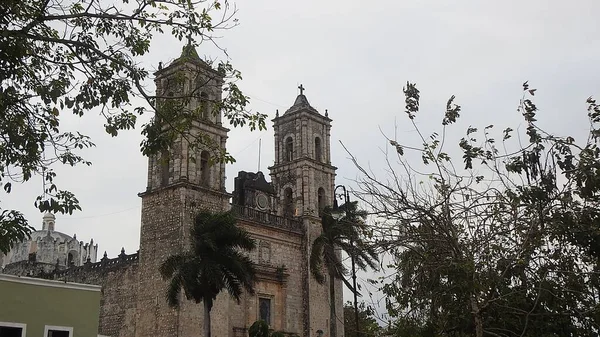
x,y
506,245
214,262
260,328
366,319
324,255
62,57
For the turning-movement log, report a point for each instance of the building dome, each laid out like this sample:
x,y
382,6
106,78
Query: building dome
x,y
48,246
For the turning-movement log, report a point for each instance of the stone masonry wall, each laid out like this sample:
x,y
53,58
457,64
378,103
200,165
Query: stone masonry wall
x,y
167,216
28,268
277,249
119,280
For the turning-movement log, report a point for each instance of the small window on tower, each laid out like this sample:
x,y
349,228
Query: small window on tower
x,y
321,200
164,169
204,168
204,105
289,149
288,202
318,149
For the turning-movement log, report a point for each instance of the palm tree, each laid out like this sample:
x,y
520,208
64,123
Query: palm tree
x,y
215,261
345,234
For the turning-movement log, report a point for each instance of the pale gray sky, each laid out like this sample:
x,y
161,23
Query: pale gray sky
x,y
353,57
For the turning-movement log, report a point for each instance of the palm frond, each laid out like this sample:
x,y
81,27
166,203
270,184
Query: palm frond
x,y
173,291
346,235
236,265
333,262
172,264
349,285
215,261
232,284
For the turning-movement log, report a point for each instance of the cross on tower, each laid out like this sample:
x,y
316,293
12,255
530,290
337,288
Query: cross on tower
x,y
301,89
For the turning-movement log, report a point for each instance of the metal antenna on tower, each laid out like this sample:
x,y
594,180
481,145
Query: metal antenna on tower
x,y
259,147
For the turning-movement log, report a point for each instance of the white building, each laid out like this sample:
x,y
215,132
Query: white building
x,y
48,246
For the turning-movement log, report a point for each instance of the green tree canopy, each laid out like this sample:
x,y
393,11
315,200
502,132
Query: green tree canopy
x,y
504,243
61,57
366,318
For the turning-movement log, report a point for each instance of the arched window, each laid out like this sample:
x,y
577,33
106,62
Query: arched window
x,y
164,169
288,209
70,259
317,149
204,105
289,149
321,199
204,168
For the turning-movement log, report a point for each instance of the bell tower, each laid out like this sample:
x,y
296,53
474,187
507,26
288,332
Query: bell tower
x,y
181,180
302,174
190,88
304,179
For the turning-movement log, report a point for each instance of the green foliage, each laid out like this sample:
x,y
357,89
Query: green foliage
x,y
366,319
346,234
215,262
507,246
260,328
70,57
12,230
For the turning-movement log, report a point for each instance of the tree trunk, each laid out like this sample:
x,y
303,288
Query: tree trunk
x,y
207,308
477,317
332,314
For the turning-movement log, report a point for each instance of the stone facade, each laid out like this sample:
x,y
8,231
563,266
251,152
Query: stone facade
x,y
282,216
304,180
118,278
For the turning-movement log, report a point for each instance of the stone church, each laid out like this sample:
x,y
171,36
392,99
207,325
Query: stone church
x,y
282,216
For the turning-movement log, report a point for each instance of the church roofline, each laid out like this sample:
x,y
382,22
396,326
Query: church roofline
x,y
253,180
313,113
177,62
301,104
273,221
317,164
186,184
189,55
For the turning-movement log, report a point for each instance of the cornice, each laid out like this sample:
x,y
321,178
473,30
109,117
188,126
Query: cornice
x,y
49,283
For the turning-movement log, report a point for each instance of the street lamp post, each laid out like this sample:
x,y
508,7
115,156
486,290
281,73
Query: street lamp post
x,y
346,197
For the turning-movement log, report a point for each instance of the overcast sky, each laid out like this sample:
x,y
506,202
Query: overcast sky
x,y
353,58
